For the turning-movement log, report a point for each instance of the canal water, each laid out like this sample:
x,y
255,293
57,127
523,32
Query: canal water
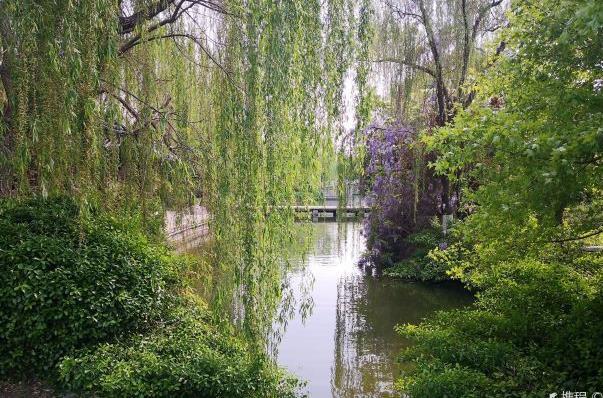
x,y
339,335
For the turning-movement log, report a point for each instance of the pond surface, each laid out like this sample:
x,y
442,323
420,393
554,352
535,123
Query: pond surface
x,y
341,336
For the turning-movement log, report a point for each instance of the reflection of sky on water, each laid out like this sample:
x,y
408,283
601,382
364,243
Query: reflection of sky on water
x,y
341,338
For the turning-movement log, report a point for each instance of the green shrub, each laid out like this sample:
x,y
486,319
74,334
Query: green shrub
x,y
187,358
536,328
427,262
419,269
69,281
94,297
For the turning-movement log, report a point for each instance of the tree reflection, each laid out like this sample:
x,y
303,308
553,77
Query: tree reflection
x,y
366,346
336,324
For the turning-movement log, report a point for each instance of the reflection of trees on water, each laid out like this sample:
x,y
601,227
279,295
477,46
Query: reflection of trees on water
x,y
296,296
366,346
364,363
365,307
316,243
298,281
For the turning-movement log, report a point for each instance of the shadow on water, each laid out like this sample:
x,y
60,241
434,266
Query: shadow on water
x,y
339,335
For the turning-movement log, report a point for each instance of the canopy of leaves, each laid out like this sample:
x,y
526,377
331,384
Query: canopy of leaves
x,y
140,105
528,156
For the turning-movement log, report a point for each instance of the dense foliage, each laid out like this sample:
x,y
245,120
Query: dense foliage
x,y
137,106
528,156
90,305
67,283
536,329
424,51
429,259
186,357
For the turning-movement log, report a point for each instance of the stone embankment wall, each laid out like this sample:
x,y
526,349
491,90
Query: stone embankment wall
x,y
186,229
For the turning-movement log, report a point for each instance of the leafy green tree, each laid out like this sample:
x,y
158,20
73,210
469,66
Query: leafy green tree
x,y
528,154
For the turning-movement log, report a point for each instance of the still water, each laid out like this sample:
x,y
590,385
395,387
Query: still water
x,y
340,334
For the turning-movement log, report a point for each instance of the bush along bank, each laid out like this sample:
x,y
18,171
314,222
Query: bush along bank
x,y
528,157
429,258
91,306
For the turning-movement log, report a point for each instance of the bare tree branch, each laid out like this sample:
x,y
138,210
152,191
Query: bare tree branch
x,y
409,64
466,48
403,13
127,24
481,14
173,17
581,237
441,92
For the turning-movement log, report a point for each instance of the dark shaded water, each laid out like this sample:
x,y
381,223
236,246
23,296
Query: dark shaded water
x,y
341,339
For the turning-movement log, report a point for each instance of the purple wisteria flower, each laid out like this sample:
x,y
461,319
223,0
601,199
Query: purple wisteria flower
x,y
402,191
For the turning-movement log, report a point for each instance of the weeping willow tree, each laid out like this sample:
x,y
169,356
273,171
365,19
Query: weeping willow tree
x,y
275,125
146,104
351,145
96,106
427,49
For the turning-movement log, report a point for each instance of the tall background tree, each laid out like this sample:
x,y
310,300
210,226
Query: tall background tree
x,y
423,54
528,154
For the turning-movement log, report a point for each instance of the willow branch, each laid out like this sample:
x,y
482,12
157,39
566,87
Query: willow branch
x,y
6,80
5,69
209,55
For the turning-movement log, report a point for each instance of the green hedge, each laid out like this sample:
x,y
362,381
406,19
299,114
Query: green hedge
x,y
187,358
536,329
89,305
67,282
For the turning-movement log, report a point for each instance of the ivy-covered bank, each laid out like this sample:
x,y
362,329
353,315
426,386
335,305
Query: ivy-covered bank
x,y
91,306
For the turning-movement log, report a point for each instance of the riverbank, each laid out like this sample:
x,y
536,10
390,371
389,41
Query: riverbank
x,y
29,389
89,305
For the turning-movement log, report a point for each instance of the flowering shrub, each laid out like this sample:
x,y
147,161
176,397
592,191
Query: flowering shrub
x,y
402,191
